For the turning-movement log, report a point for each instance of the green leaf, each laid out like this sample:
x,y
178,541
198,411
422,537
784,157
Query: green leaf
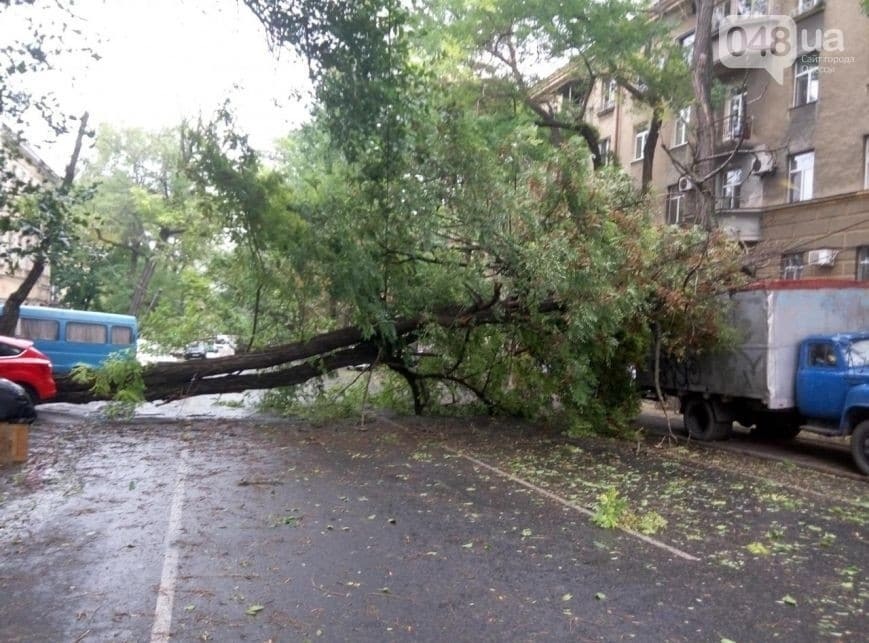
x,y
253,610
789,600
758,549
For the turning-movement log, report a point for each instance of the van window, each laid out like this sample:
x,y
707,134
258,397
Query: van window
x,y
38,329
122,335
85,333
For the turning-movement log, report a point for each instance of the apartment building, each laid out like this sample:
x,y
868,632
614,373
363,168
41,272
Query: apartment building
x,y
27,166
794,186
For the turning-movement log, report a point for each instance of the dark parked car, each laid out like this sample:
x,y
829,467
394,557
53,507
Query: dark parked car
x,y
196,350
15,403
24,365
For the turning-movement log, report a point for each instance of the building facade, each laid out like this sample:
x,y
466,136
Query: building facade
x,y
28,167
794,155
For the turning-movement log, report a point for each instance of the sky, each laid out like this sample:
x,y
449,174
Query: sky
x,y
165,60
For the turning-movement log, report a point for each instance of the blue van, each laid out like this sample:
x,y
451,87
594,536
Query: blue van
x,y
70,337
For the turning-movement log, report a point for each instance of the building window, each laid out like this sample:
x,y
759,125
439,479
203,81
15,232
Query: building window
x,y
805,5
806,84
752,7
734,114
675,205
572,95
719,12
641,133
863,263
866,163
729,188
604,151
608,94
680,135
792,266
687,43
802,177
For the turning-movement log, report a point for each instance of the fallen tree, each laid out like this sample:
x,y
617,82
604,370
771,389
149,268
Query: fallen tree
x,y
298,362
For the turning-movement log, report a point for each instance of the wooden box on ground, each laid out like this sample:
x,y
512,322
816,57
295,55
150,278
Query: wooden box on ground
x,y
13,442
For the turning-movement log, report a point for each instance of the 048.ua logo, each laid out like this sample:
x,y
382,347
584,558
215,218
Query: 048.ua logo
x,y
770,42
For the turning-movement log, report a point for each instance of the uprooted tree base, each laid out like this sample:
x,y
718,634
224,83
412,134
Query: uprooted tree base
x,y
296,363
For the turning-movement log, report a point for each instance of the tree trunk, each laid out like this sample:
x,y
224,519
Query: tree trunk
x,y
649,149
319,355
142,286
12,306
701,79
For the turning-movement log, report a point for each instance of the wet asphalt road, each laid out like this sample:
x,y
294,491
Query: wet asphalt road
x,y
240,531
814,451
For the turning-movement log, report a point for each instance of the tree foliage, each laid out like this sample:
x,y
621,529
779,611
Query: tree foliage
x,y
36,206
464,249
425,221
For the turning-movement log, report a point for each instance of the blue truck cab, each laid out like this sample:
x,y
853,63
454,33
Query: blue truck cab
x,y
832,388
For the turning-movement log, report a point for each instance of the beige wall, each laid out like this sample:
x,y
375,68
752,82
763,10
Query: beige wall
x,y
27,167
835,127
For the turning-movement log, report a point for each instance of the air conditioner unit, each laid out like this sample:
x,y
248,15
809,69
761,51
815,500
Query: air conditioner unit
x,y
764,163
822,257
686,184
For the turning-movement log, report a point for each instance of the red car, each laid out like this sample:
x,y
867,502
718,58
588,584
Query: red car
x,y
27,367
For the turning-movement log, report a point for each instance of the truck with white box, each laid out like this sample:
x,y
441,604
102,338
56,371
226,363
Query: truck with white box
x,y
799,362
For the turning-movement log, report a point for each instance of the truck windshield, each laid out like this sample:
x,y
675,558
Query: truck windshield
x,y
858,353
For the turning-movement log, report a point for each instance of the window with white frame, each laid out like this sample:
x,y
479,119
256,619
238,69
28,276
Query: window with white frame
x,y
806,82
734,114
608,89
729,188
572,95
805,5
675,205
863,263
719,13
687,43
604,150
752,7
792,266
680,133
641,133
802,176
866,163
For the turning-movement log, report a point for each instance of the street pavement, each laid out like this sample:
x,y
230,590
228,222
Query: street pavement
x,y
255,529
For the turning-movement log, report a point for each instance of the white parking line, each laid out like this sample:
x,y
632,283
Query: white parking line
x,y
166,594
552,496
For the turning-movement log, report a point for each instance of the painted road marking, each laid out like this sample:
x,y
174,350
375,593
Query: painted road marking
x,y
166,594
552,496
564,501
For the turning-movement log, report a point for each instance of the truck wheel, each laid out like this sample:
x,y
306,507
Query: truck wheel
x,y
700,421
860,446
